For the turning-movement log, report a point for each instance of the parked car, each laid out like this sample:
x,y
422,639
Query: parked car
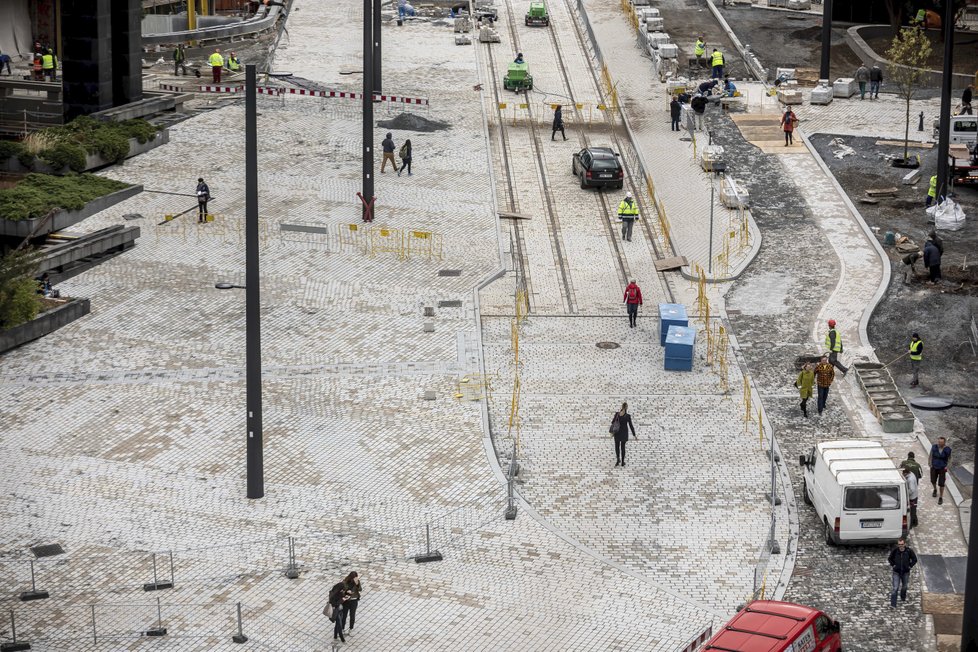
x,y
858,493
770,626
598,167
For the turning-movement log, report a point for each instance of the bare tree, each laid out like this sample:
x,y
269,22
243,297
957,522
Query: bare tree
x,y
908,53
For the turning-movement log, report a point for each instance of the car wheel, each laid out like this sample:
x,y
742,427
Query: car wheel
x,y
827,532
526,21
583,185
804,493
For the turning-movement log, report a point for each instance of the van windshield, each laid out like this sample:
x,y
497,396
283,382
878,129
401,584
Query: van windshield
x,y
873,497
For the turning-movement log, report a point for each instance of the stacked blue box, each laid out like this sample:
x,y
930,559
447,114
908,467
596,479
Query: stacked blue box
x,y
670,314
680,344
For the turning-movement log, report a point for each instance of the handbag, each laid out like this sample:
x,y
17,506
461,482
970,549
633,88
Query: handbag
x,y
330,612
615,425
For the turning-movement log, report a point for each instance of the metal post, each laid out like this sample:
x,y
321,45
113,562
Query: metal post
x,y
946,80
709,262
368,106
159,630
510,513
155,580
256,472
428,554
292,572
969,624
171,568
826,39
376,54
239,637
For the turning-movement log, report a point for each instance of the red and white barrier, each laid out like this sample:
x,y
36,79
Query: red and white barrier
x,y
220,89
695,644
170,87
306,92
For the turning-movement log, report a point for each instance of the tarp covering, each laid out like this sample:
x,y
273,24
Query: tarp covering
x,y
15,29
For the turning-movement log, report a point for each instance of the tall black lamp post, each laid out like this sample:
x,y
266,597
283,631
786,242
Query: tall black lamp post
x,y
255,465
969,624
944,140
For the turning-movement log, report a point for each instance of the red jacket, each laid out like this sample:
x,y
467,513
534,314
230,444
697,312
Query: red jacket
x,y
633,294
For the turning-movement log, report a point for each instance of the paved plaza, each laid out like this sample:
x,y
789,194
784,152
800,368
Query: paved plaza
x,y
400,379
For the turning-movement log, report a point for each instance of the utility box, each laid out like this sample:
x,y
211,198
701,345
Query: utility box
x,y
821,94
670,314
656,39
669,51
844,87
680,343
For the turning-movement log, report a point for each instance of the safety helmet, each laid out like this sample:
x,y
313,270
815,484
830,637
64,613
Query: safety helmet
x,y
628,195
831,323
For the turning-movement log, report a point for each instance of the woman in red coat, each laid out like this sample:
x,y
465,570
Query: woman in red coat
x,y
788,121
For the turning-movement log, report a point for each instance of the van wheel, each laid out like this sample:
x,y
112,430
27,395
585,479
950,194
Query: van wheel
x,y
828,534
804,493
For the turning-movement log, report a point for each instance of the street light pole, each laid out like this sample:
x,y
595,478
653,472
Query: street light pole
x,y
969,619
367,195
943,141
376,53
823,72
256,471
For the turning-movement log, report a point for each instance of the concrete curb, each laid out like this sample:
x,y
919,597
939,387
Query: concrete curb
x,y
869,56
217,33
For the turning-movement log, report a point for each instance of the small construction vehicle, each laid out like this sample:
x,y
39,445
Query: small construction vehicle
x,y
537,15
518,78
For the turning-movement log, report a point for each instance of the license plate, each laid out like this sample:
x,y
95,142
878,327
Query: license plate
x,y
973,173
604,176
871,524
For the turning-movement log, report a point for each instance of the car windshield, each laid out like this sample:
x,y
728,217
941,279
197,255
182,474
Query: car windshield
x,y
873,497
605,164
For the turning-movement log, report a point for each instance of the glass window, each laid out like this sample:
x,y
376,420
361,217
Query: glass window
x,y
966,125
605,164
873,497
823,626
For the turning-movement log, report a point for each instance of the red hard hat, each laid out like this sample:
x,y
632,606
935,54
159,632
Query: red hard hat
x,y
831,322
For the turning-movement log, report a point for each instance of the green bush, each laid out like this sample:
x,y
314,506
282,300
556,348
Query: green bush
x,y
9,148
141,130
18,289
39,194
65,154
110,145
26,159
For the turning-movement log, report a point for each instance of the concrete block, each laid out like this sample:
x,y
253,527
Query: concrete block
x,y
911,177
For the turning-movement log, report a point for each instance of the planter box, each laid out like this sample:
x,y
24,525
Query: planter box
x,y
92,161
46,322
64,219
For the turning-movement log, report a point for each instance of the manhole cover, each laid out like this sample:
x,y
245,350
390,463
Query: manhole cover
x,y
48,550
449,272
608,345
453,303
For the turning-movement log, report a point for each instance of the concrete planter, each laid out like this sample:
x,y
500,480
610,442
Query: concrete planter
x,y
856,39
46,322
92,161
64,219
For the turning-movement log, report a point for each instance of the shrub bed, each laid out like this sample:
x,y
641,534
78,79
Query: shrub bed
x,y
66,146
39,194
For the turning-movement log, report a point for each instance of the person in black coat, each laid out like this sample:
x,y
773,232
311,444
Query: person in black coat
x,y
676,112
203,195
338,597
558,123
902,559
966,101
620,425
932,260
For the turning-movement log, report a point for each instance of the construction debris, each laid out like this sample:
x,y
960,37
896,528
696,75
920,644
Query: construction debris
x,y
413,122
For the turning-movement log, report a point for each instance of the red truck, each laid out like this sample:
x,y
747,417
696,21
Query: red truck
x,y
770,626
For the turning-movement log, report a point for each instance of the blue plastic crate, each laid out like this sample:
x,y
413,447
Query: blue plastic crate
x,y
670,314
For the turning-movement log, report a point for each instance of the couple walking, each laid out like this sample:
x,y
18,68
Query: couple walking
x,y
343,600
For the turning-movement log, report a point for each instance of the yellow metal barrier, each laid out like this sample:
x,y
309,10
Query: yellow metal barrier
x,y
424,243
348,235
384,239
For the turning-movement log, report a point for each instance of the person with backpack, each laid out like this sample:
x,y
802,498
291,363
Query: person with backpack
x,y
339,595
405,155
621,423
203,195
632,299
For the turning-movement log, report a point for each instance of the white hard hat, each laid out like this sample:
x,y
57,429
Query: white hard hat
x,y
628,195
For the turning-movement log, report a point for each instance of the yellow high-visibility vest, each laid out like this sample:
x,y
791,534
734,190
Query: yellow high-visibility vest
x,y
47,62
216,60
915,347
833,346
700,48
627,208
717,58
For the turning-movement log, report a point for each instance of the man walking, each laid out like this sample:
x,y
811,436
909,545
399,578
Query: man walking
x,y
940,455
179,60
217,63
875,81
632,299
203,195
862,78
388,146
916,353
558,124
911,464
932,260
627,213
911,480
716,62
824,375
902,559
675,112
833,342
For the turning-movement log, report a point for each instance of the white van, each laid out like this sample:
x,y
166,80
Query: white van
x,y
963,129
857,491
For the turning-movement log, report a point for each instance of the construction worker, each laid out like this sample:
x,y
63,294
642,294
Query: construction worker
x,y
931,191
47,65
916,353
38,72
5,61
519,58
699,50
717,62
179,60
233,64
833,342
920,20
217,62
627,213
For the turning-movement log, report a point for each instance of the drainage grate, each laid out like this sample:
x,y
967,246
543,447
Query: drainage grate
x,y
453,303
449,272
48,550
608,345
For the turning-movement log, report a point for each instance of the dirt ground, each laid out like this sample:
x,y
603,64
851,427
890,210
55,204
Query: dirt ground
x,y
687,19
790,40
939,313
965,52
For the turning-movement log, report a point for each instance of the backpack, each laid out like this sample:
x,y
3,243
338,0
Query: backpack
x,y
633,294
404,152
615,425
